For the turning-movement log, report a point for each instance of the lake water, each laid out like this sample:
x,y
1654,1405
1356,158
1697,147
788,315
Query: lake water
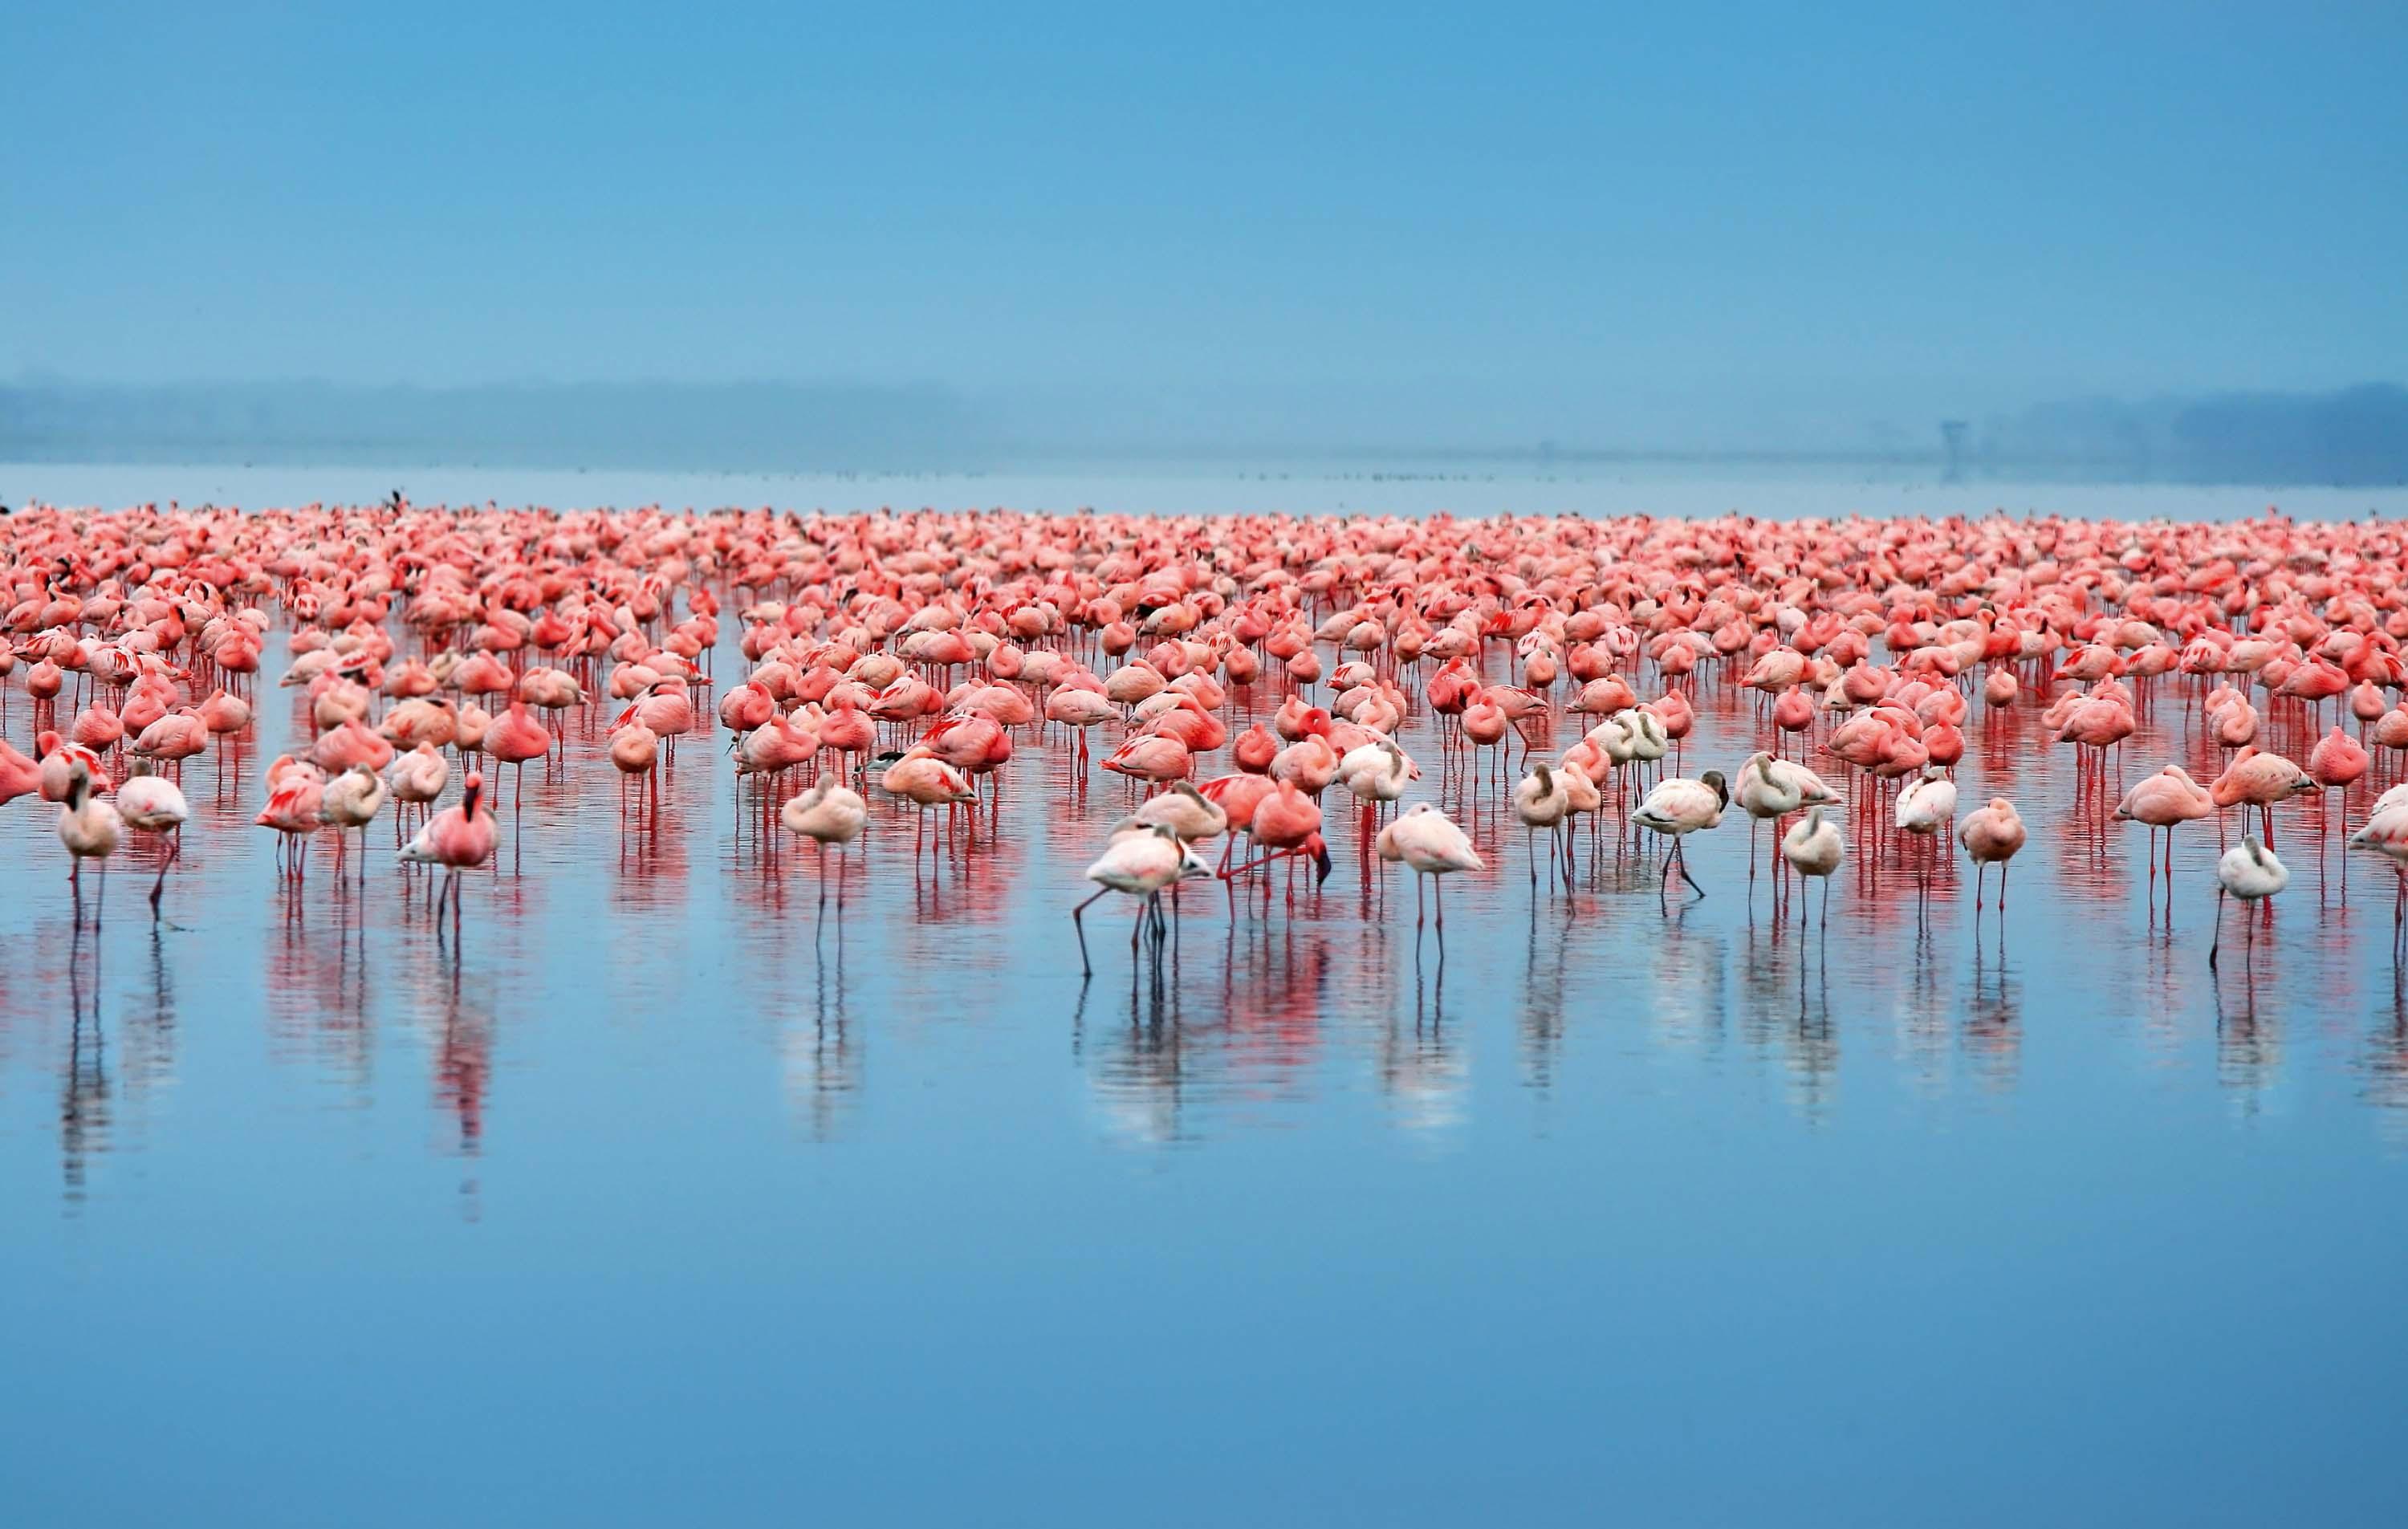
x,y
1404,487
657,1202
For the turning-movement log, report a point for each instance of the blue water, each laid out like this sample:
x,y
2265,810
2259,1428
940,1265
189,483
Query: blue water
x,y
660,1202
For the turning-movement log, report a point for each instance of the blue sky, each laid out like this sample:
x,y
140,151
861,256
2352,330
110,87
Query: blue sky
x,y
1508,221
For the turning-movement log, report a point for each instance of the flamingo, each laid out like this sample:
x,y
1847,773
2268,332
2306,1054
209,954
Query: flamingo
x,y
150,803
1678,808
828,812
1140,865
1814,848
2250,872
460,837
1769,789
88,828
1429,843
348,804
1991,834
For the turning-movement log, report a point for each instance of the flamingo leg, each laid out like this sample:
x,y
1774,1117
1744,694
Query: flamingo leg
x,y
1682,861
1078,922
175,848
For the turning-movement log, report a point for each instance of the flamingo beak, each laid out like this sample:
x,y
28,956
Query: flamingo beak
x,y
1321,858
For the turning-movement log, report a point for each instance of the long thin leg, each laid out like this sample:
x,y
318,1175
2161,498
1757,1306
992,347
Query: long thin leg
x,y
2217,939
1078,923
1684,862
175,848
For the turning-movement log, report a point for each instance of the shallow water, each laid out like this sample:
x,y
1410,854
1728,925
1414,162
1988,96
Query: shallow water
x,y
659,1201
1777,490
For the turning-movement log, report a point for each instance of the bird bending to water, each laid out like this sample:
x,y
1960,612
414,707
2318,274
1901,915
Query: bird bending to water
x,y
1140,865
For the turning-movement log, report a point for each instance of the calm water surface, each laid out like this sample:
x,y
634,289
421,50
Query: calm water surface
x,y
661,1204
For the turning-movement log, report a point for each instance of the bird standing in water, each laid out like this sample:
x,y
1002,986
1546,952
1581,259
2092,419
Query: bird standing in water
x,y
1677,808
1814,848
2250,872
1991,836
150,803
1768,790
1140,863
457,839
87,827
1429,842
828,813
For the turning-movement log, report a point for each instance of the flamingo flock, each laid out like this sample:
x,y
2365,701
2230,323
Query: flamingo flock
x,y
1235,671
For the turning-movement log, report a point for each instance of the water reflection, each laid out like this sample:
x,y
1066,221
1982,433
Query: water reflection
x,y
2385,1062
84,1111
823,1065
1785,989
623,935
1994,1019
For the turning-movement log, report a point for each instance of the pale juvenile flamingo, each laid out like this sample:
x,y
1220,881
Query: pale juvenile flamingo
x,y
2250,872
1139,866
348,804
1543,801
1925,808
1678,808
1185,811
1813,846
1769,789
828,812
87,827
1429,843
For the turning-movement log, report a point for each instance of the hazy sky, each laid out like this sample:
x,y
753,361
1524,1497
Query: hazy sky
x,y
1521,216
